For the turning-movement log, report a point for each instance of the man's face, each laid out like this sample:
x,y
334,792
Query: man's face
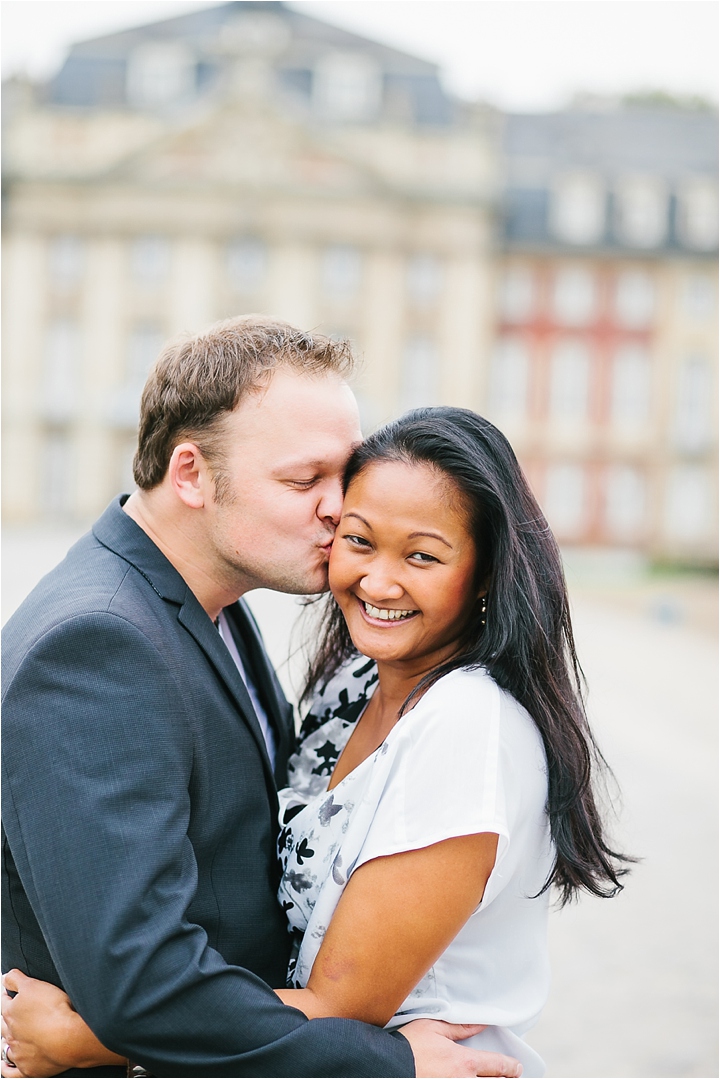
x,y
285,452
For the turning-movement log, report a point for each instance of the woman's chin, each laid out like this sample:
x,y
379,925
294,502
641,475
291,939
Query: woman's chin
x,y
380,645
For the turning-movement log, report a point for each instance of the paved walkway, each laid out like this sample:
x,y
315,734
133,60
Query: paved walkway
x,y
635,978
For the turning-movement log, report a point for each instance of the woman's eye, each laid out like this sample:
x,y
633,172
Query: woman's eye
x,y
357,541
421,556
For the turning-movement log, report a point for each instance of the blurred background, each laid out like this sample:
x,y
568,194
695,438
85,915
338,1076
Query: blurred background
x,y
509,206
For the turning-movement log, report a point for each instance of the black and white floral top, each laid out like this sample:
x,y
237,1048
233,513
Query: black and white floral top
x,y
466,759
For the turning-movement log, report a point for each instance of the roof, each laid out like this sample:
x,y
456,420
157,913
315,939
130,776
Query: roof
x,y
95,71
666,146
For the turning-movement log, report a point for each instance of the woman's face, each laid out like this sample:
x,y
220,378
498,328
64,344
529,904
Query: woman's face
x,y
402,566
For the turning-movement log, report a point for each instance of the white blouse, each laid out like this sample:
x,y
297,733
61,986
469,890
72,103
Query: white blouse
x,y
466,759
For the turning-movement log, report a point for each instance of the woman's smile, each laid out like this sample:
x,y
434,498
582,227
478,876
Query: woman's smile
x,y
402,567
391,616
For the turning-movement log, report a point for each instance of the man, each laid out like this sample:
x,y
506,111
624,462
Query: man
x,y
145,730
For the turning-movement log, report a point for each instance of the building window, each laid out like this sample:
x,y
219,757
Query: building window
x,y
693,417
143,348
150,260
641,212
509,379
565,496
577,208
689,503
625,502
630,386
246,262
570,380
634,299
517,294
698,214
159,73
66,262
125,481
419,374
58,474
699,296
347,86
60,370
341,272
424,280
574,296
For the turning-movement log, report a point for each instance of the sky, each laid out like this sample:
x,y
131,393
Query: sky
x,y
516,54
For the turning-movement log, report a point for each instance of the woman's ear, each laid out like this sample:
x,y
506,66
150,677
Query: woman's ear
x,y
189,476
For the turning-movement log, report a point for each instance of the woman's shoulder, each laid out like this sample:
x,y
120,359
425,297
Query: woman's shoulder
x,y
469,698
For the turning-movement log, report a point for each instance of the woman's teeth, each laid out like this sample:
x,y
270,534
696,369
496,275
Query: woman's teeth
x,y
386,614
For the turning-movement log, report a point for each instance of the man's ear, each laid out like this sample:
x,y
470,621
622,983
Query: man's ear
x,y
189,476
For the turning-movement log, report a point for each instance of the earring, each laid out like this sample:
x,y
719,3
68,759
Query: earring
x,y
483,609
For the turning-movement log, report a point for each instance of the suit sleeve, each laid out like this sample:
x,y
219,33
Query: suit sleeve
x,y
97,758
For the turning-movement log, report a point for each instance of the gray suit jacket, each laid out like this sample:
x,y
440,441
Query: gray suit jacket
x,y
139,868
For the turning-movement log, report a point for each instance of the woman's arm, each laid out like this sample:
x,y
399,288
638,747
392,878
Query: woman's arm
x,y
396,916
45,1034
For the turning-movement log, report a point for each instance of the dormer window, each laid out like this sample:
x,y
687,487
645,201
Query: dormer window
x,y
160,73
698,214
577,208
347,86
641,213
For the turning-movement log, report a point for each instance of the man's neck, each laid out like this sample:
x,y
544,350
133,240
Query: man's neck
x,y
173,533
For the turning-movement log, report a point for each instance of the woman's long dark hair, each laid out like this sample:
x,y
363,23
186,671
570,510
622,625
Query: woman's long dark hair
x,y
526,643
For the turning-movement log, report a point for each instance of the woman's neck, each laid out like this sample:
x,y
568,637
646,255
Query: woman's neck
x,y
397,679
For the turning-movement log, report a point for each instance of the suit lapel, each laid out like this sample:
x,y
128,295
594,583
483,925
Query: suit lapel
x,y
280,712
196,622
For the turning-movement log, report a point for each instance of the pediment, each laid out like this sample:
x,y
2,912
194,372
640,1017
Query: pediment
x,y
255,148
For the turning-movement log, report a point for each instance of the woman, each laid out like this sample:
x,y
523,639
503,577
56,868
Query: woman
x,y
443,782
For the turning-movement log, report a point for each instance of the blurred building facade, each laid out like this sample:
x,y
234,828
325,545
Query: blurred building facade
x,y
603,371
557,273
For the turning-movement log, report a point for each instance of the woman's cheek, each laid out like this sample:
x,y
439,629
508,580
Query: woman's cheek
x,y
337,572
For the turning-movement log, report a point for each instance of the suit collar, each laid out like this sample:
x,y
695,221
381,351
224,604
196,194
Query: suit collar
x,y
117,531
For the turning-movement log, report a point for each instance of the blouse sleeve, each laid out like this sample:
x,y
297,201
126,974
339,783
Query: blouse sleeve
x,y
447,771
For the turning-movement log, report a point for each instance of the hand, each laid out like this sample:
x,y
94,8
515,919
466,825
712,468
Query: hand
x,y
437,1056
43,1033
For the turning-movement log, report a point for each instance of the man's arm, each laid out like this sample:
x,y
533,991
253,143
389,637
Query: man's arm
x,y
45,1037
98,760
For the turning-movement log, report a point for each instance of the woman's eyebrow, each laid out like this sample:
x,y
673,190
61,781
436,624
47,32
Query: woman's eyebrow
x,y
431,535
351,514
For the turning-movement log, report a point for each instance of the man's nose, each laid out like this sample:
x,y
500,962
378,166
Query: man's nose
x,y
330,505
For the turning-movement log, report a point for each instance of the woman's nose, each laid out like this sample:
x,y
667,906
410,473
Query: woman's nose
x,y
378,584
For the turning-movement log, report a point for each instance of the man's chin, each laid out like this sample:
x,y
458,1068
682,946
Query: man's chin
x,y
314,584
